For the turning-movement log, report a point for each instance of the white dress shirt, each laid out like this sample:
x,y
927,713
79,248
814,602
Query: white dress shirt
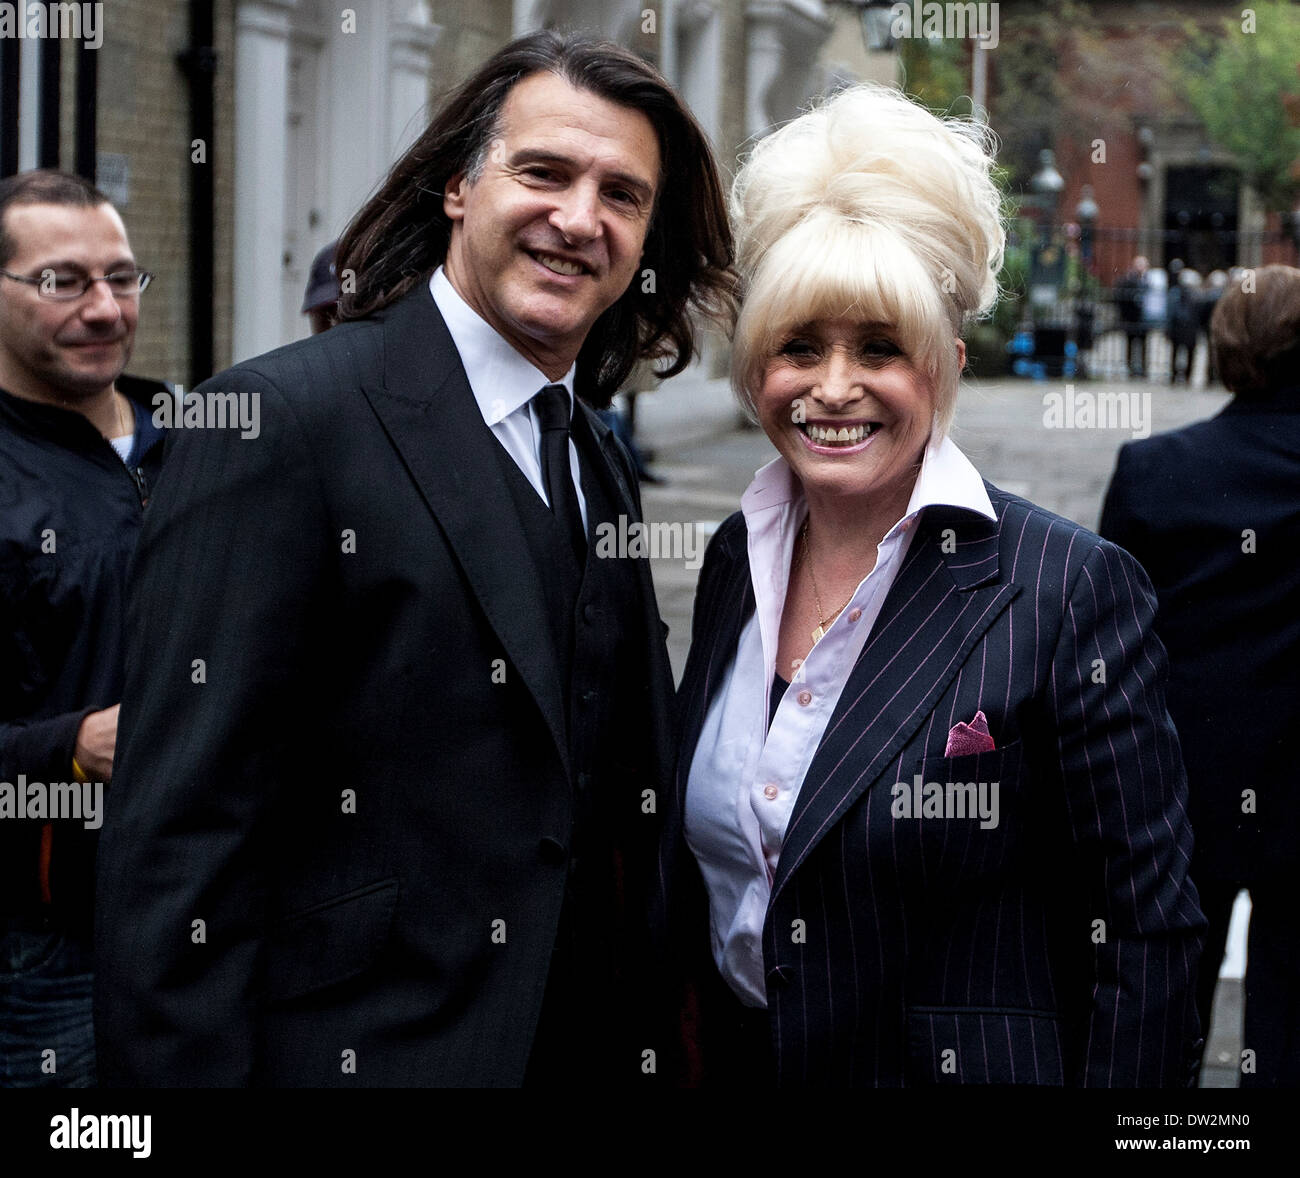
x,y
504,384
744,777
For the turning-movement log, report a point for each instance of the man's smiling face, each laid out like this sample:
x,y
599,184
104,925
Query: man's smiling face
x,y
65,351
550,234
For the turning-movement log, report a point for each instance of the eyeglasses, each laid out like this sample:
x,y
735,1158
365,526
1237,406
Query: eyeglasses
x,y
64,288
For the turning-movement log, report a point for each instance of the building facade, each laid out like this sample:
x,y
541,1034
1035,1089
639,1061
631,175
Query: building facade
x,y
240,136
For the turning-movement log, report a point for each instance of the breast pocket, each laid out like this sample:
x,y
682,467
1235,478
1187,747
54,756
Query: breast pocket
x,y
970,808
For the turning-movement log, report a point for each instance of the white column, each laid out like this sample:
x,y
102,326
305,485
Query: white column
x,y
764,50
523,17
699,61
261,99
668,42
411,42
29,100
783,38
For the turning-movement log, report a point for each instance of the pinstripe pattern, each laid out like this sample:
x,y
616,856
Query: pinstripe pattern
x,y
1059,946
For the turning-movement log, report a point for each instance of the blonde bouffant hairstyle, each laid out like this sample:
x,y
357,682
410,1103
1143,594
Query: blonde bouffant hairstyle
x,y
868,205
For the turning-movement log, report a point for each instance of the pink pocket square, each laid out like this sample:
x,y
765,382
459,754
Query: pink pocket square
x,y
966,739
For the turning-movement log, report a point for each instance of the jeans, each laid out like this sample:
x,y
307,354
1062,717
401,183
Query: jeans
x,y
47,1038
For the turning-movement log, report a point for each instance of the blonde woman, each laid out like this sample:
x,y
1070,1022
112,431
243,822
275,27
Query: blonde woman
x,y
929,824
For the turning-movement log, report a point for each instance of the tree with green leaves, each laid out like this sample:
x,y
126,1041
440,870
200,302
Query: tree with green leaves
x,y
1243,81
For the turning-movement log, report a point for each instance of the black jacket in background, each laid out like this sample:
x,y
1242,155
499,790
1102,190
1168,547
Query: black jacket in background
x,y
1212,511
62,486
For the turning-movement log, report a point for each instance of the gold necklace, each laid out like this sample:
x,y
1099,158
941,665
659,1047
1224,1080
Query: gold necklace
x,y
123,427
819,633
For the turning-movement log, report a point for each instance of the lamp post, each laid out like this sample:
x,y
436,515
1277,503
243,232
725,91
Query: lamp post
x,y
1046,184
877,18
1086,213
1047,271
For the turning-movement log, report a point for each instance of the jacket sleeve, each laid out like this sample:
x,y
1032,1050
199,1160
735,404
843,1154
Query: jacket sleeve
x,y
223,589
1126,796
42,749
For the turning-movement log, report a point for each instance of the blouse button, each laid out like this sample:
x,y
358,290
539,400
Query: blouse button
x,y
805,698
854,615
770,792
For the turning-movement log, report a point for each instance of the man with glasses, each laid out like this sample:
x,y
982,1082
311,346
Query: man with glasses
x,y
78,454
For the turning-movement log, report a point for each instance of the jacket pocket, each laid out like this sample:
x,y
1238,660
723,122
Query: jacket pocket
x,y
979,797
330,942
1000,764
984,1045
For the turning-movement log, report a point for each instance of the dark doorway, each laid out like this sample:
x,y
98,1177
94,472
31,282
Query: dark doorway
x,y
1201,216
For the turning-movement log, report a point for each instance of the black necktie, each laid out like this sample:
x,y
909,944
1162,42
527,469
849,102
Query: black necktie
x,y
553,413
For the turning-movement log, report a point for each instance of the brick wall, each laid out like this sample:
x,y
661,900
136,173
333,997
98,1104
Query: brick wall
x,y
143,116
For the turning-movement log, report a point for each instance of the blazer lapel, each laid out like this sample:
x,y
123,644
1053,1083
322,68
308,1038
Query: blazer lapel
x,y
613,467
716,634
601,438
428,410
939,607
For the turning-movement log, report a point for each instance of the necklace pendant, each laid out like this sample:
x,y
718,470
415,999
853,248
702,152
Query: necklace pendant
x,y
818,634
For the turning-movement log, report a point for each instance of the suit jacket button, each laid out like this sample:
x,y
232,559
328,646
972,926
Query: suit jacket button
x,y
780,975
588,613
552,851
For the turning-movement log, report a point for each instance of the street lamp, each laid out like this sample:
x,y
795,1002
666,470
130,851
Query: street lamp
x,y
1047,269
877,18
1086,213
1047,182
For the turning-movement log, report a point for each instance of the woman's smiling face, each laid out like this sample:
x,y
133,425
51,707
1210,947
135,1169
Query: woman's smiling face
x,y
847,408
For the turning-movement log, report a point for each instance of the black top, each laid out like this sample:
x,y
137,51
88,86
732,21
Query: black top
x,y
1210,512
779,688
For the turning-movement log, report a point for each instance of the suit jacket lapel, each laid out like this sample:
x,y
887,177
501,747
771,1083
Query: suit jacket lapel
x,y
717,632
426,407
938,608
600,439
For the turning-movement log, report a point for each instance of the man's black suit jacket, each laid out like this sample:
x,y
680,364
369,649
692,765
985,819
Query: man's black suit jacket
x,y
1055,947
1213,513
336,844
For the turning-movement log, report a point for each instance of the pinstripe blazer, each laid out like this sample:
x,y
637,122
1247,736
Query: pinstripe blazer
x,y
1058,947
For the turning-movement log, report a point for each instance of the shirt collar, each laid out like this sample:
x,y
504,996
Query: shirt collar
x,y
67,425
947,478
500,378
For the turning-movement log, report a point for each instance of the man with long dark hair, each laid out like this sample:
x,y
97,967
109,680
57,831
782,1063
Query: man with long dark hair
x,y
385,802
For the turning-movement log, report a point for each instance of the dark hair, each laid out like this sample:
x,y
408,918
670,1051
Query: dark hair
x,y
1255,332
43,186
401,234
